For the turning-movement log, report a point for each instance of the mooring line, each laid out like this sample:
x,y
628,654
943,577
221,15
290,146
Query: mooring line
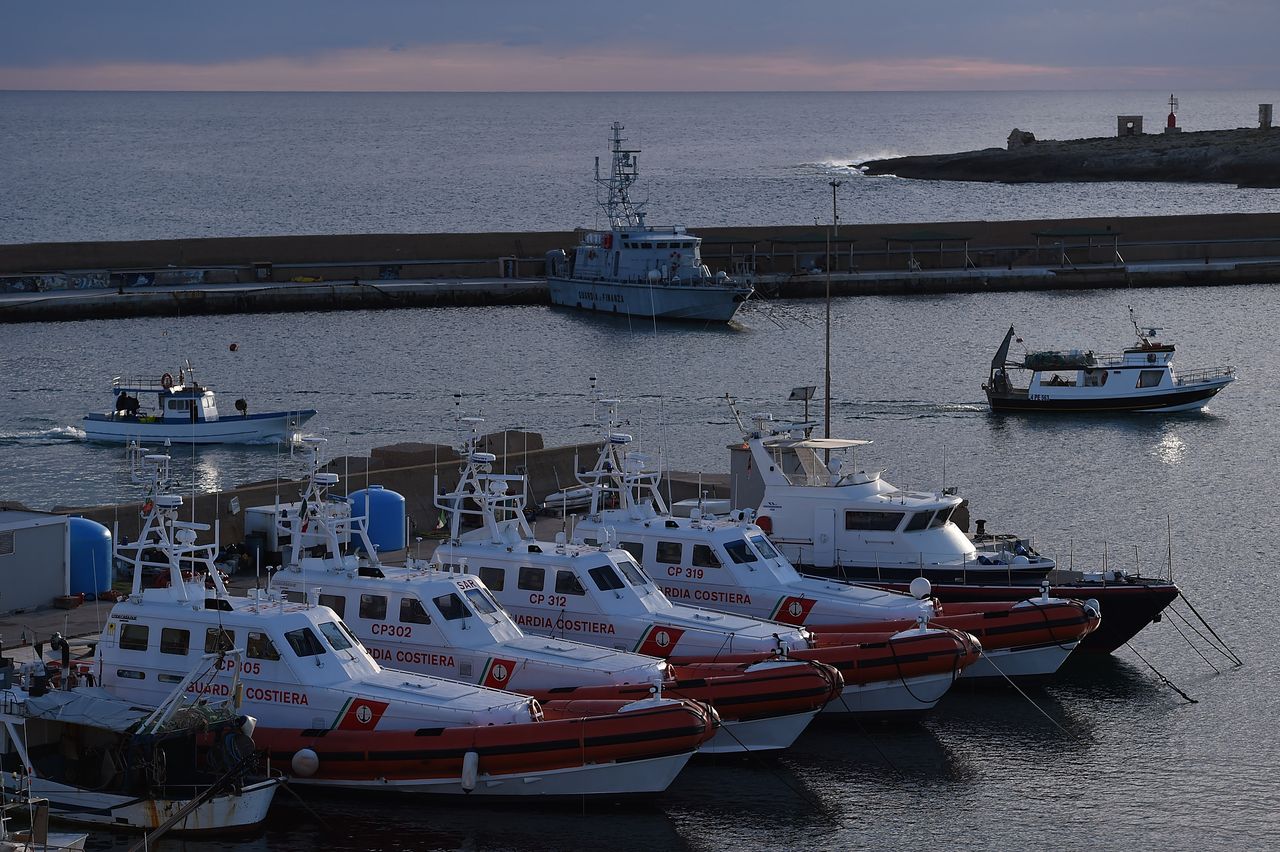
x,y
1162,678
1030,701
1207,626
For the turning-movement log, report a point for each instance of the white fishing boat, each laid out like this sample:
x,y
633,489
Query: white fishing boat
x,y
330,714
636,269
445,623
1139,379
180,410
187,766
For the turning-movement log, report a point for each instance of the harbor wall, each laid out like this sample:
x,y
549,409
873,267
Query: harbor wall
x,y
774,249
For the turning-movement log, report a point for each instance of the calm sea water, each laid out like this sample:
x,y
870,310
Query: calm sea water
x,y
1135,765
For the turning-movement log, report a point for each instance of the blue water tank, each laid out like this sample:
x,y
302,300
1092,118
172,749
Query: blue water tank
x,y
90,557
386,512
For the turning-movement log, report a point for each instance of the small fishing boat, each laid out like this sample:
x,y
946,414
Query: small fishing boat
x,y
330,714
1139,379
445,623
187,766
183,411
636,269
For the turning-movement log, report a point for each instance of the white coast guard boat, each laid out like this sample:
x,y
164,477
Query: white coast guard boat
x,y
598,593
730,562
331,714
446,623
185,412
636,269
187,766
1139,379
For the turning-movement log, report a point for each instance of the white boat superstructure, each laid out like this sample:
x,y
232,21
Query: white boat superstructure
x,y
185,412
325,706
852,523
637,269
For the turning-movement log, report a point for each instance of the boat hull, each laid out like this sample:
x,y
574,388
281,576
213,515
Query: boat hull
x,y
1182,398
224,813
903,696
1129,605
582,749
696,302
253,428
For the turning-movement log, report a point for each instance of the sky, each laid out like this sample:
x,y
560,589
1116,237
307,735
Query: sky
x,y
655,45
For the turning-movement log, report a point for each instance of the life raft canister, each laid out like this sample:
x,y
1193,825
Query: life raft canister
x,y
166,381
765,523
607,241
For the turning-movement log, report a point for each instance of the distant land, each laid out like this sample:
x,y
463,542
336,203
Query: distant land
x,y
1246,157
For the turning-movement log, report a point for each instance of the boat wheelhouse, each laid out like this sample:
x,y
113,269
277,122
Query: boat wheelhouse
x,y
1141,378
183,411
637,269
331,714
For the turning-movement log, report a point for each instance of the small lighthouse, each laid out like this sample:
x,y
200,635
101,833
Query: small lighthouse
x,y
1171,126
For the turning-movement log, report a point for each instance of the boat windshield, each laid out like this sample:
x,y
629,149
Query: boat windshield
x,y
337,639
632,572
739,552
766,549
304,643
481,601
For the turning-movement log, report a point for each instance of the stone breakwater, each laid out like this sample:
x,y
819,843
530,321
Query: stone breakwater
x,y
1246,157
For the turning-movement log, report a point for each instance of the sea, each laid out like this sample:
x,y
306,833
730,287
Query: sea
x,y
1107,754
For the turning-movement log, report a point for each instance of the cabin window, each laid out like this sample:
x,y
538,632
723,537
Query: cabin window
x,y
480,599
175,641
218,640
6,543
737,550
130,674
703,557
373,607
337,603
883,521
531,579
635,548
632,572
494,578
646,245
919,521
606,579
304,643
133,637
941,517
451,607
1149,378
334,634
766,549
669,552
412,611
169,678
260,647
567,583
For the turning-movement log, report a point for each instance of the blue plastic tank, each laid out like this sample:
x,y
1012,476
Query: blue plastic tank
x,y
386,516
90,557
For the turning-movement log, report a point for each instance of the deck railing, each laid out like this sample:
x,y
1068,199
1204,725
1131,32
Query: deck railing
x,y
1207,374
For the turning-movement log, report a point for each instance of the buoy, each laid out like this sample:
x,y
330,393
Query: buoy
x,y
235,346
305,763
470,770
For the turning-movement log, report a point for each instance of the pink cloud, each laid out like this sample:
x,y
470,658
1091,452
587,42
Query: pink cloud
x,y
490,67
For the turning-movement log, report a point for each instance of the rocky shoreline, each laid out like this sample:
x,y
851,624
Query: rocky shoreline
x,y
1248,157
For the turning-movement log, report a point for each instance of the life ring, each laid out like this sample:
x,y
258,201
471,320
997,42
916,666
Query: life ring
x,y
607,241
675,255
166,381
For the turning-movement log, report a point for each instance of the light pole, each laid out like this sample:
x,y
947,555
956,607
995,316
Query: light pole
x,y
835,224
